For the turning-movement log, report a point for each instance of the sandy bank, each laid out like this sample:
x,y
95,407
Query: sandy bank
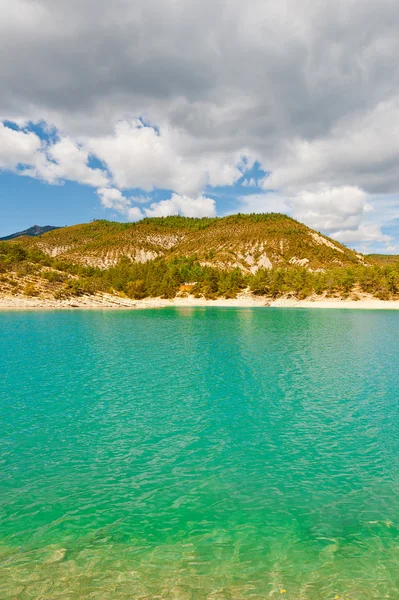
x,y
108,301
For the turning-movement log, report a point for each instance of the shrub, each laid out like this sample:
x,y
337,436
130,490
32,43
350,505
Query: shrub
x,y
54,276
30,290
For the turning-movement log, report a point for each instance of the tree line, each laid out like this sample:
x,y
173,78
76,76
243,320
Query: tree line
x,y
166,278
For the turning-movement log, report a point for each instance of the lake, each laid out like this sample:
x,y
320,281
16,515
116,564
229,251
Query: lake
x,y
199,453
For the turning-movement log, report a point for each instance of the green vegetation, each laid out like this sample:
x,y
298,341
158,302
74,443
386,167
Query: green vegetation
x,y
236,240
161,278
383,259
27,269
381,282
30,290
177,222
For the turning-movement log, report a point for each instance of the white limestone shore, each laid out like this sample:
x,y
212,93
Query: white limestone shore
x,y
243,300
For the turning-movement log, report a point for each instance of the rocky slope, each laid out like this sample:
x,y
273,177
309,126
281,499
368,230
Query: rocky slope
x,y
248,242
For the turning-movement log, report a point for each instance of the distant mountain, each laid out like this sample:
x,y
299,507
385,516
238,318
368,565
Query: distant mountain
x,y
31,232
249,242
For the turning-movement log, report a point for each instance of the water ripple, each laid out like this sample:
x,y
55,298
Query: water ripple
x,y
199,454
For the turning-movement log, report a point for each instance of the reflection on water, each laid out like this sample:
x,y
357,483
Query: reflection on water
x,y
200,453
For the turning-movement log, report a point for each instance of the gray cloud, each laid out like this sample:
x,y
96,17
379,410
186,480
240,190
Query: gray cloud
x,y
310,89
298,67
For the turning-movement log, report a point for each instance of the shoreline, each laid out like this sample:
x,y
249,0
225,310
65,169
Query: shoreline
x,y
243,300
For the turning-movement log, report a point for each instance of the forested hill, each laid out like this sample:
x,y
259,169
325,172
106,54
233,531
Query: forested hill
x,y
248,242
270,255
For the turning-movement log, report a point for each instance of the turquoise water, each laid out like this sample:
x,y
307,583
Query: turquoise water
x,y
199,453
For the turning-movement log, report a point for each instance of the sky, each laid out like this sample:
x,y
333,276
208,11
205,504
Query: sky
x,y
126,109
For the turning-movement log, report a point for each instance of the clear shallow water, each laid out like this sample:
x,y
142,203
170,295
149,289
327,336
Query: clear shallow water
x,y
199,453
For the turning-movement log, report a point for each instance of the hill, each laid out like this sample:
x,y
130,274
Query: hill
x,y
31,232
269,255
383,259
248,242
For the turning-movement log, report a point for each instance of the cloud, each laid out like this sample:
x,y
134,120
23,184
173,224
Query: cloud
x,y
366,233
52,162
261,203
113,198
308,89
362,150
326,209
175,205
65,160
330,209
249,182
139,156
338,211
183,205
17,147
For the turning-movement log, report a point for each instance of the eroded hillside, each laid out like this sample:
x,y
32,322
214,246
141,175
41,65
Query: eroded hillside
x,y
267,255
249,242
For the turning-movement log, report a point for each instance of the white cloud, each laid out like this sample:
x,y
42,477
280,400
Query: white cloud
x,y
53,162
367,233
114,199
249,182
330,209
261,203
175,205
183,205
141,199
65,160
17,147
139,156
339,212
324,209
